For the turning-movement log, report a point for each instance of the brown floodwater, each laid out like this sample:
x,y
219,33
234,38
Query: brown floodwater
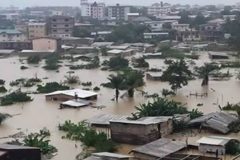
x,y
35,115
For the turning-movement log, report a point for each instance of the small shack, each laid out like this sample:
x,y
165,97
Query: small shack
x,y
108,156
74,104
152,55
154,76
71,94
214,144
141,131
218,55
15,152
218,121
158,149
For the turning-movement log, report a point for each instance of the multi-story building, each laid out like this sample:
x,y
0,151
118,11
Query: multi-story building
x,y
94,10
37,30
12,35
118,12
60,26
159,9
46,44
98,10
85,8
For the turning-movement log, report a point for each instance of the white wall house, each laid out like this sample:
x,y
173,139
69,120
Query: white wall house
x,y
12,35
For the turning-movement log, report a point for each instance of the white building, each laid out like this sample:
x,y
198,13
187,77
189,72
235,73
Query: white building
x,y
12,35
159,9
94,10
180,27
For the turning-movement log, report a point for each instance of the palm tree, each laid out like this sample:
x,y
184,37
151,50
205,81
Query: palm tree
x,y
204,72
116,81
133,79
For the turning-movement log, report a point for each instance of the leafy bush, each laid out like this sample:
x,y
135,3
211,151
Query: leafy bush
x,y
140,63
163,107
3,89
231,107
51,87
87,136
34,59
117,63
52,62
15,97
2,82
40,141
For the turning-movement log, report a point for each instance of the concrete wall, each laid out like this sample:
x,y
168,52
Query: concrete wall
x,y
37,31
44,44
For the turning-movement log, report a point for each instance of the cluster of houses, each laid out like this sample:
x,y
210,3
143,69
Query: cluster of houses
x,y
151,135
48,30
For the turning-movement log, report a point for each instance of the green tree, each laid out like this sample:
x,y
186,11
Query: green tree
x,y
177,74
117,63
133,79
116,81
204,71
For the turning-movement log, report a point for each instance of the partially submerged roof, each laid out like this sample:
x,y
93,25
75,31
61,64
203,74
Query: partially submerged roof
x,y
115,51
76,103
6,51
79,92
111,155
160,148
104,119
143,120
214,140
219,121
14,147
9,31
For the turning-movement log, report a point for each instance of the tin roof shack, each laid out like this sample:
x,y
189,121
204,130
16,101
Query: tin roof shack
x,y
218,121
141,131
152,55
71,94
108,156
218,55
74,104
158,149
15,152
216,145
154,76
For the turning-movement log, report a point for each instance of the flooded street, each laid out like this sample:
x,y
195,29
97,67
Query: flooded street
x,y
35,115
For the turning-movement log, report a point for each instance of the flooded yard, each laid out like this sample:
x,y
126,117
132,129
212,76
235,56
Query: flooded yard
x,y
35,115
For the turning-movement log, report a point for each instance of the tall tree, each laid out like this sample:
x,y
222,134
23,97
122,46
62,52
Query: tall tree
x,y
177,74
204,71
116,82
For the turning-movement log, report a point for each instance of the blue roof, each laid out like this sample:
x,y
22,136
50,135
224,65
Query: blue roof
x,y
9,31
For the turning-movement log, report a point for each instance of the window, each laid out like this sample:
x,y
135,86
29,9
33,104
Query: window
x,y
66,20
66,30
66,25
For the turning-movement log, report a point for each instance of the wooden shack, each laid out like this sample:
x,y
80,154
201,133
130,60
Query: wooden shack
x,y
141,131
15,152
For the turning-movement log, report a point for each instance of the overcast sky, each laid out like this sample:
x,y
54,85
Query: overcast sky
x,y
25,3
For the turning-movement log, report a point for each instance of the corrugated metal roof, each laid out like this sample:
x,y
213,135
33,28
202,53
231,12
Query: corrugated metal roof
x,y
9,31
160,148
79,92
219,121
214,140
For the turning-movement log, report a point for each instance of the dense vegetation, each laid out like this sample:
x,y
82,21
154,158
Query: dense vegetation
x,y
15,97
51,87
140,63
231,107
89,137
41,141
93,64
52,62
177,74
3,89
128,33
117,63
34,59
163,107
2,82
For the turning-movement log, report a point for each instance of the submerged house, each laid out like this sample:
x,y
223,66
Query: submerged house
x,y
158,149
108,156
67,95
218,121
15,152
218,55
141,131
213,144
